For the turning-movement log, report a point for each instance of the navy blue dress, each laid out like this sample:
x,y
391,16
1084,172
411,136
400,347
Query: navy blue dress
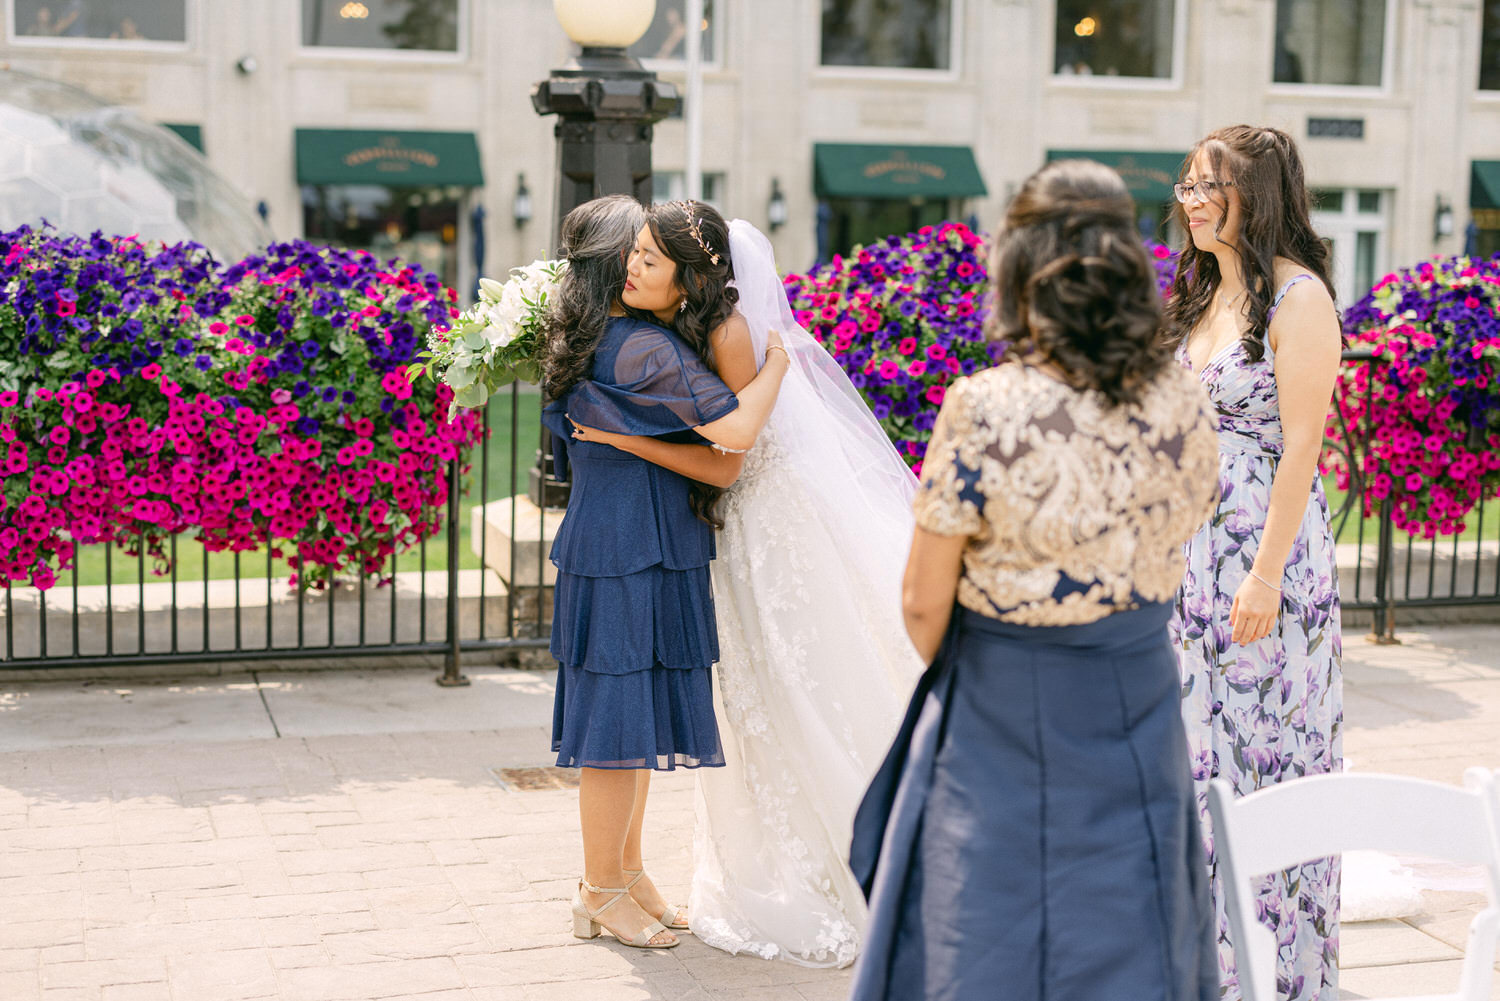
x,y
1032,834
633,625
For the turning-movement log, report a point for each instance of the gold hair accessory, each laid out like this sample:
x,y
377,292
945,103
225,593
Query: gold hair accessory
x,y
687,208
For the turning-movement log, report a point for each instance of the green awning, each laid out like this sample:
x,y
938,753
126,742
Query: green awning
x,y
849,171
1149,176
1484,185
192,134
357,156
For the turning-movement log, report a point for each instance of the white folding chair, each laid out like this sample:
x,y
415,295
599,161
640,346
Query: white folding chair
x,y
1322,815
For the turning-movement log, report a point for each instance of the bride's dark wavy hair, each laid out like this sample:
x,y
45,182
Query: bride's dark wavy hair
x,y
696,238
596,240
1268,177
1073,283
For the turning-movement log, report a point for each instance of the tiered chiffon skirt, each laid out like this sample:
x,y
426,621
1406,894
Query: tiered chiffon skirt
x,y
634,688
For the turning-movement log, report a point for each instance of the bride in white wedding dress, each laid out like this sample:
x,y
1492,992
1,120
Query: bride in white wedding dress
x,y
815,666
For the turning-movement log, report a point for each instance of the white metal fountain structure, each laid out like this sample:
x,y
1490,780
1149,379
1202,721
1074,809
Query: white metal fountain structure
x,y
82,165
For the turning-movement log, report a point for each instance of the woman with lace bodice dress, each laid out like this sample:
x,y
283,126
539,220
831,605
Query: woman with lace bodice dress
x,y
814,666
1256,623
1032,833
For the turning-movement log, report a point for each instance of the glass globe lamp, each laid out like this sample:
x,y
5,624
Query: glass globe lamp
x,y
605,24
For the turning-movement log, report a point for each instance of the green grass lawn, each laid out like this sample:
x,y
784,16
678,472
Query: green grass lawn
x,y
493,470
1474,530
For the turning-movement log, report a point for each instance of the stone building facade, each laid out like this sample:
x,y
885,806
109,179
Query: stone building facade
x,y
389,123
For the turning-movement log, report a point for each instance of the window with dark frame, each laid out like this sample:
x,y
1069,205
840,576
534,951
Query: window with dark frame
x,y
413,25
1489,46
1329,42
1115,38
888,34
104,20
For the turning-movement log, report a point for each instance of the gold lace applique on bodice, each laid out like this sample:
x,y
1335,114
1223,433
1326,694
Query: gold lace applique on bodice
x,y
1074,509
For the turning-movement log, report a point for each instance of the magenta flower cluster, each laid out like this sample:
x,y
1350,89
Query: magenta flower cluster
x,y
148,392
905,317
1433,418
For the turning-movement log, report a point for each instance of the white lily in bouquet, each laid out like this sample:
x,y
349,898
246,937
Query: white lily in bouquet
x,y
495,341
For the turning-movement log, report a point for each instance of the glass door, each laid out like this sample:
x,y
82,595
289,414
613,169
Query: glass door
x,y
1354,223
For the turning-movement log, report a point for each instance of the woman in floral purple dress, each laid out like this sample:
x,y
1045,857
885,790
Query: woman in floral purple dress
x,y
1257,620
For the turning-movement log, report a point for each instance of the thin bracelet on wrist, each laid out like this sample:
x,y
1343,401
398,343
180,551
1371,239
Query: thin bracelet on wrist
x,y
1264,581
777,347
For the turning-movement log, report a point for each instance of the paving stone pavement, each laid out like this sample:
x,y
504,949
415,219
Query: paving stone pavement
x,y
340,836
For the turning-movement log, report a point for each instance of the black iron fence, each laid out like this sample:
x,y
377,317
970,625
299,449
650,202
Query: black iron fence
x,y
483,584
1383,569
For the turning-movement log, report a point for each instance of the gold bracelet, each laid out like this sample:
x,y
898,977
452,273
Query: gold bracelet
x,y
777,347
1264,581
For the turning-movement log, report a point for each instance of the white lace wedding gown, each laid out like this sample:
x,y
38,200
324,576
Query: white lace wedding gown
x,y
814,673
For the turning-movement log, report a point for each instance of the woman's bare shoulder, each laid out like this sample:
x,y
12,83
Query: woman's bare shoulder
x,y
731,333
1285,269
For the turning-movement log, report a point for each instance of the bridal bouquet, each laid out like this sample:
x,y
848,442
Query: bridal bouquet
x,y
496,340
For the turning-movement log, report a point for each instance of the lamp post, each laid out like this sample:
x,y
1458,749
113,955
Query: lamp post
x,y
606,104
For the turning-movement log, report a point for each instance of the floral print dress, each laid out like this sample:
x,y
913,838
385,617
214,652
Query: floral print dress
x,y
1272,710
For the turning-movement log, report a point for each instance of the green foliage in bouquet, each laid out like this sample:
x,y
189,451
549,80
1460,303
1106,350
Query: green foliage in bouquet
x,y
495,341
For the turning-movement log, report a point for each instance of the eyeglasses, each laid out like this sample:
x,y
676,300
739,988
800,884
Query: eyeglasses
x,y
1204,190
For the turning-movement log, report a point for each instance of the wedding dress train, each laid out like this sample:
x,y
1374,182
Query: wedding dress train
x,y
815,666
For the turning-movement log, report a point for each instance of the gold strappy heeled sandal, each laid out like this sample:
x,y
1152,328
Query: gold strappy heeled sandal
x,y
672,912
586,923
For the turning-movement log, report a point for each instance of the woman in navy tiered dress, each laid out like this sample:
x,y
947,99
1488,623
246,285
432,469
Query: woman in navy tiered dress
x,y
633,624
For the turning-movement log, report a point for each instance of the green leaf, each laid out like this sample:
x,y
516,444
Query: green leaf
x,y
475,395
460,378
528,370
474,340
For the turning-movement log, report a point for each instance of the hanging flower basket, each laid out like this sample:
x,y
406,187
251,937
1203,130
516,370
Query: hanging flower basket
x,y
905,317
1433,419
148,392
